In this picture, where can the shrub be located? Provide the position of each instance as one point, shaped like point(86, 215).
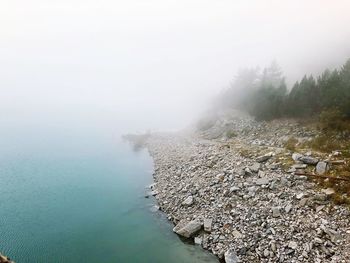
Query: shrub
point(231, 134)
point(291, 143)
point(333, 120)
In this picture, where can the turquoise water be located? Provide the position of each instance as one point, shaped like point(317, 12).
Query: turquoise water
point(77, 195)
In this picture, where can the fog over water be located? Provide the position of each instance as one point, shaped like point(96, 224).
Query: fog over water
point(153, 64)
point(75, 74)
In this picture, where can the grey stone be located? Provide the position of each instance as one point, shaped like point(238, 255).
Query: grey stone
point(255, 167)
point(321, 167)
point(299, 166)
point(288, 208)
point(333, 235)
point(293, 245)
point(154, 208)
point(303, 201)
point(234, 189)
point(208, 224)
point(248, 172)
point(231, 257)
point(262, 181)
point(198, 240)
point(152, 186)
point(276, 211)
point(236, 234)
point(300, 196)
point(328, 191)
point(266, 253)
point(309, 160)
point(273, 247)
point(296, 156)
point(187, 229)
point(264, 158)
point(154, 193)
point(188, 201)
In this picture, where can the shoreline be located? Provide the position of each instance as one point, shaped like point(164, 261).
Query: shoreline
point(242, 210)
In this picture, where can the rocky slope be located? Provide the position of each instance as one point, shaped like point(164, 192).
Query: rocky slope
point(235, 198)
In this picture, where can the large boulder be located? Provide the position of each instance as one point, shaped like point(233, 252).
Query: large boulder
point(187, 229)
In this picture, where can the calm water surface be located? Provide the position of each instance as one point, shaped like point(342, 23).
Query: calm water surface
point(77, 195)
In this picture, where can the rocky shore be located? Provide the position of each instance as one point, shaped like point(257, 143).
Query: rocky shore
point(236, 198)
point(4, 259)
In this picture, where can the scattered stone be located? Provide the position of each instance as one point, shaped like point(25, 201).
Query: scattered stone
point(154, 208)
point(273, 246)
point(300, 196)
point(293, 245)
point(237, 234)
point(231, 257)
point(319, 208)
point(198, 240)
point(320, 197)
point(288, 208)
point(328, 191)
point(299, 166)
point(188, 201)
point(262, 181)
point(187, 229)
point(303, 202)
point(208, 224)
point(321, 167)
point(333, 235)
point(154, 192)
point(264, 158)
point(257, 215)
point(276, 211)
point(152, 186)
point(296, 156)
point(234, 189)
point(266, 253)
point(255, 167)
point(308, 160)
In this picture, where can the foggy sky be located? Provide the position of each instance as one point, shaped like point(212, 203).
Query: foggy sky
point(154, 61)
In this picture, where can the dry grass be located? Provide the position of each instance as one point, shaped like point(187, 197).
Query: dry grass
point(291, 143)
point(342, 188)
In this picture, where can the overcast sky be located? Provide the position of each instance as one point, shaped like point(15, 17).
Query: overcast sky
point(157, 61)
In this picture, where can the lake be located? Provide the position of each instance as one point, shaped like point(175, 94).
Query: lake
point(76, 194)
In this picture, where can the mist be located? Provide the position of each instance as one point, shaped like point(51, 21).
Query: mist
point(153, 64)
